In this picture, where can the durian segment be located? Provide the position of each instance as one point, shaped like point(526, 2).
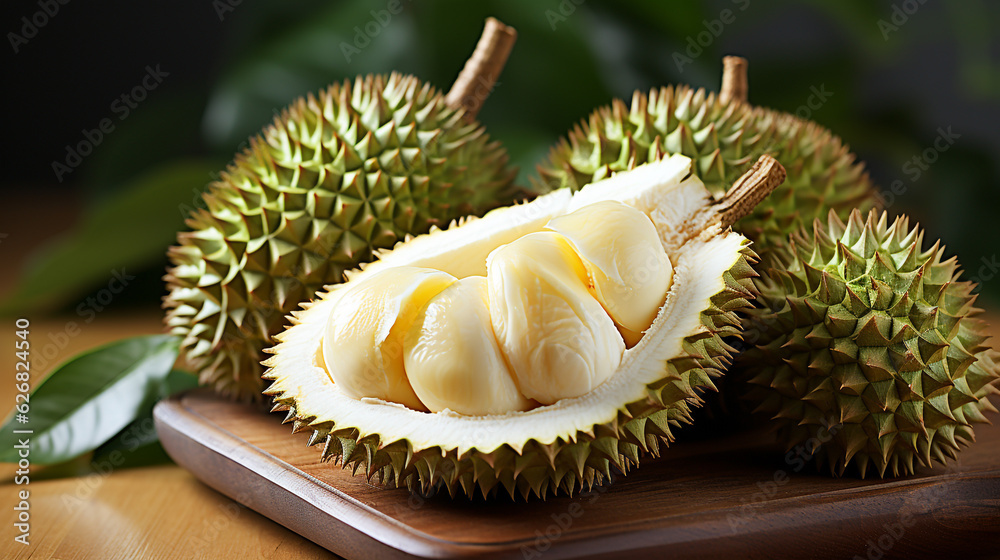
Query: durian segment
point(628, 269)
point(559, 341)
point(452, 358)
point(363, 346)
point(667, 191)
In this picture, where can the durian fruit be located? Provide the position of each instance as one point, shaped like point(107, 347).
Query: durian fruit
point(503, 444)
point(337, 176)
point(724, 135)
point(871, 353)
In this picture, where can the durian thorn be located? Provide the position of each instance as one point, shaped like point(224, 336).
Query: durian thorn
point(734, 80)
point(481, 71)
point(746, 193)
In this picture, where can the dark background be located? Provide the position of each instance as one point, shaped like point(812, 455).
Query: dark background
point(897, 73)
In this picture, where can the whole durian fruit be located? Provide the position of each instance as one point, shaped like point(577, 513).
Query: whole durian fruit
point(334, 178)
point(537, 349)
point(724, 135)
point(870, 352)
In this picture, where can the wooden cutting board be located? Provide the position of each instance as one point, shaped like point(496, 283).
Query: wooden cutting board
point(733, 496)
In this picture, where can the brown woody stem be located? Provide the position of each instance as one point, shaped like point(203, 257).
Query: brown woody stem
point(747, 192)
point(734, 79)
point(481, 71)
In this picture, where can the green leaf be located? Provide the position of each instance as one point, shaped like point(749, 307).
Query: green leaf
point(138, 444)
point(123, 233)
point(90, 398)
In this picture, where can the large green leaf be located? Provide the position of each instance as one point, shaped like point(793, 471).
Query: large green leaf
point(89, 399)
point(138, 444)
point(125, 232)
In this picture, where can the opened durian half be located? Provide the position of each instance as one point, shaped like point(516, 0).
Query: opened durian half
point(537, 349)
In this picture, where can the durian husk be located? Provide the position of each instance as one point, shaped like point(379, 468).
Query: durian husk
point(871, 353)
point(548, 463)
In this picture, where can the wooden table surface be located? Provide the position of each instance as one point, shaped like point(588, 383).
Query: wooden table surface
point(152, 512)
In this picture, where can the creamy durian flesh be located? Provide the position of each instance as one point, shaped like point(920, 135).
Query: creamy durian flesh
point(540, 326)
point(534, 349)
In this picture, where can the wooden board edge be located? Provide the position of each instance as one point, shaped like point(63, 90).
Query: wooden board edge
point(347, 527)
point(266, 484)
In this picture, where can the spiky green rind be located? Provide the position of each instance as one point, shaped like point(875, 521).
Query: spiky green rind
point(568, 465)
point(336, 176)
point(724, 139)
point(870, 337)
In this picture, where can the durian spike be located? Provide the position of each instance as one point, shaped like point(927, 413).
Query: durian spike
point(475, 81)
point(745, 194)
point(734, 80)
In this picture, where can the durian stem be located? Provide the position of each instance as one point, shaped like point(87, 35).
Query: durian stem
point(481, 71)
point(747, 192)
point(734, 79)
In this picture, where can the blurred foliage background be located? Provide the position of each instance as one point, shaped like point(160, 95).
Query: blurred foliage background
point(893, 75)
